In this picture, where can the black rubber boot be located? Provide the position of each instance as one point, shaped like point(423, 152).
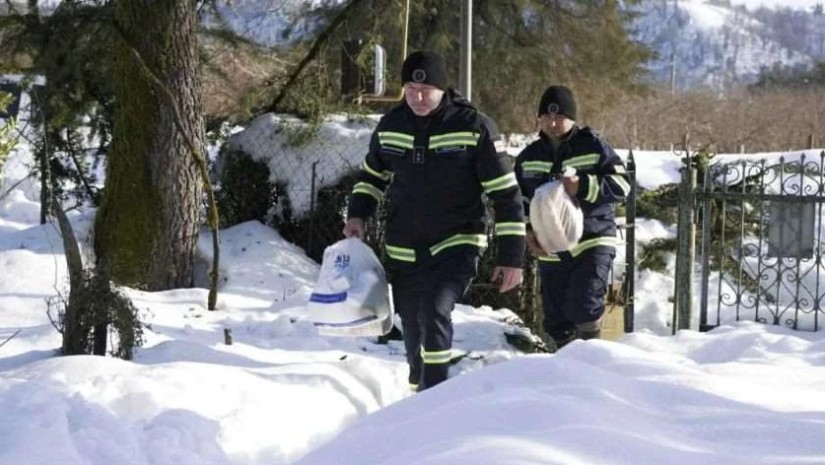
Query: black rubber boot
point(562, 337)
point(590, 329)
point(394, 335)
point(597, 334)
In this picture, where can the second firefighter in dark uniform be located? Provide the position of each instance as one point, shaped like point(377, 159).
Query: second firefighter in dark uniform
point(438, 155)
point(574, 282)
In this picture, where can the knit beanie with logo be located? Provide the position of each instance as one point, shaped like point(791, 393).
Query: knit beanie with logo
point(558, 100)
point(425, 67)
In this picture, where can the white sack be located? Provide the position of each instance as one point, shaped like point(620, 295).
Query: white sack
point(556, 218)
point(351, 296)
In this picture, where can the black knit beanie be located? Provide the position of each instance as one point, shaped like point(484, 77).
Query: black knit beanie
point(426, 68)
point(558, 99)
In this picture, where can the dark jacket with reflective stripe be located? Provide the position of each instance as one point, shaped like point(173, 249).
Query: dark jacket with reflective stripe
point(602, 180)
point(436, 168)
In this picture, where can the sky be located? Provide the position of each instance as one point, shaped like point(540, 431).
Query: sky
point(282, 393)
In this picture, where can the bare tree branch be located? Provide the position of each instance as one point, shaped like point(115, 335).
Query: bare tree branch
point(313, 52)
point(10, 337)
point(15, 185)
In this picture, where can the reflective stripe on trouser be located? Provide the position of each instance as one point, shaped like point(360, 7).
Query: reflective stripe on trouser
point(573, 289)
point(424, 294)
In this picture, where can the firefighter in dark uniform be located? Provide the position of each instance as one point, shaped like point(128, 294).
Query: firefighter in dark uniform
point(574, 282)
point(438, 155)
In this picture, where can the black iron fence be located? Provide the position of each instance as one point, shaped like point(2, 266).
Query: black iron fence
point(760, 231)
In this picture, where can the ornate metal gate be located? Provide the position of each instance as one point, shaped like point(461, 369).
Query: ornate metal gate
point(762, 242)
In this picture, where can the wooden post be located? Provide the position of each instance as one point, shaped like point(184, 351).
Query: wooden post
point(686, 245)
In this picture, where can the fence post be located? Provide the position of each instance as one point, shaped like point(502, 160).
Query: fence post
point(707, 216)
point(630, 246)
point(686, 245)
point(312, 207)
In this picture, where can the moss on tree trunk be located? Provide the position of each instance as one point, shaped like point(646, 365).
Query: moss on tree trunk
point(147, 227)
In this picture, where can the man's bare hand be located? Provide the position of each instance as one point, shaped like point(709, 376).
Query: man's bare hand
point(354, 227)
point(571, 185)
point(510, 277)
point(533, 244)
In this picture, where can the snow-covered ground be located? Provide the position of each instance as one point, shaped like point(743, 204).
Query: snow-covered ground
point(744, 393)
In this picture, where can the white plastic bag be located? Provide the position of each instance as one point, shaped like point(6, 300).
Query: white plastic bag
point(556, 218)
point(351, 297)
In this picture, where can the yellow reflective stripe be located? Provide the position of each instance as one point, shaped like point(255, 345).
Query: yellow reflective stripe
point(620, 169)
point(400, 136)
point(448, 135)
point(478, 240)
point(577, 249)
point(499, 183)
point(402, 254)
point(384, 175)
point(369, 189)
point(540, 166)
point(454, 139)
point(622, 183)
point(581, 161)
point(392, 143)
point(398, 139)
point(436, 357)
point(413, 387)
point(592, 188)
point(590, 243)
point(453, 143)
point(511, 229)
point(466, 135)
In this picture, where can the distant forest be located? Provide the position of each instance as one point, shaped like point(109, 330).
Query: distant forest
point(520, 47)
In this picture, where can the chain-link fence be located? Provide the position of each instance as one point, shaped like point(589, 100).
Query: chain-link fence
point(293, 176)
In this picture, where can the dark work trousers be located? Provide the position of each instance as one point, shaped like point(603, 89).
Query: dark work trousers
point(424, 294)
point(573, 290)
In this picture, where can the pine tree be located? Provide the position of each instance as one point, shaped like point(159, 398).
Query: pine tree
point(519, 48)
point(147, 227)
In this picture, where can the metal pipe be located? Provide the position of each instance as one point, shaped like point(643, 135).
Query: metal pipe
point(465, 85)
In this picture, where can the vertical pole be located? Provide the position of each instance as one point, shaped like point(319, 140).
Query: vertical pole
point(707, 225)
point(466, 75)
point(350, 71)
point(686, 248)
point(672, 73)
point(312, 208)
point(690, 272)
point(630, 247)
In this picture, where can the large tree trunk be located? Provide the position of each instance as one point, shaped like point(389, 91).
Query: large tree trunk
point(147, 227)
